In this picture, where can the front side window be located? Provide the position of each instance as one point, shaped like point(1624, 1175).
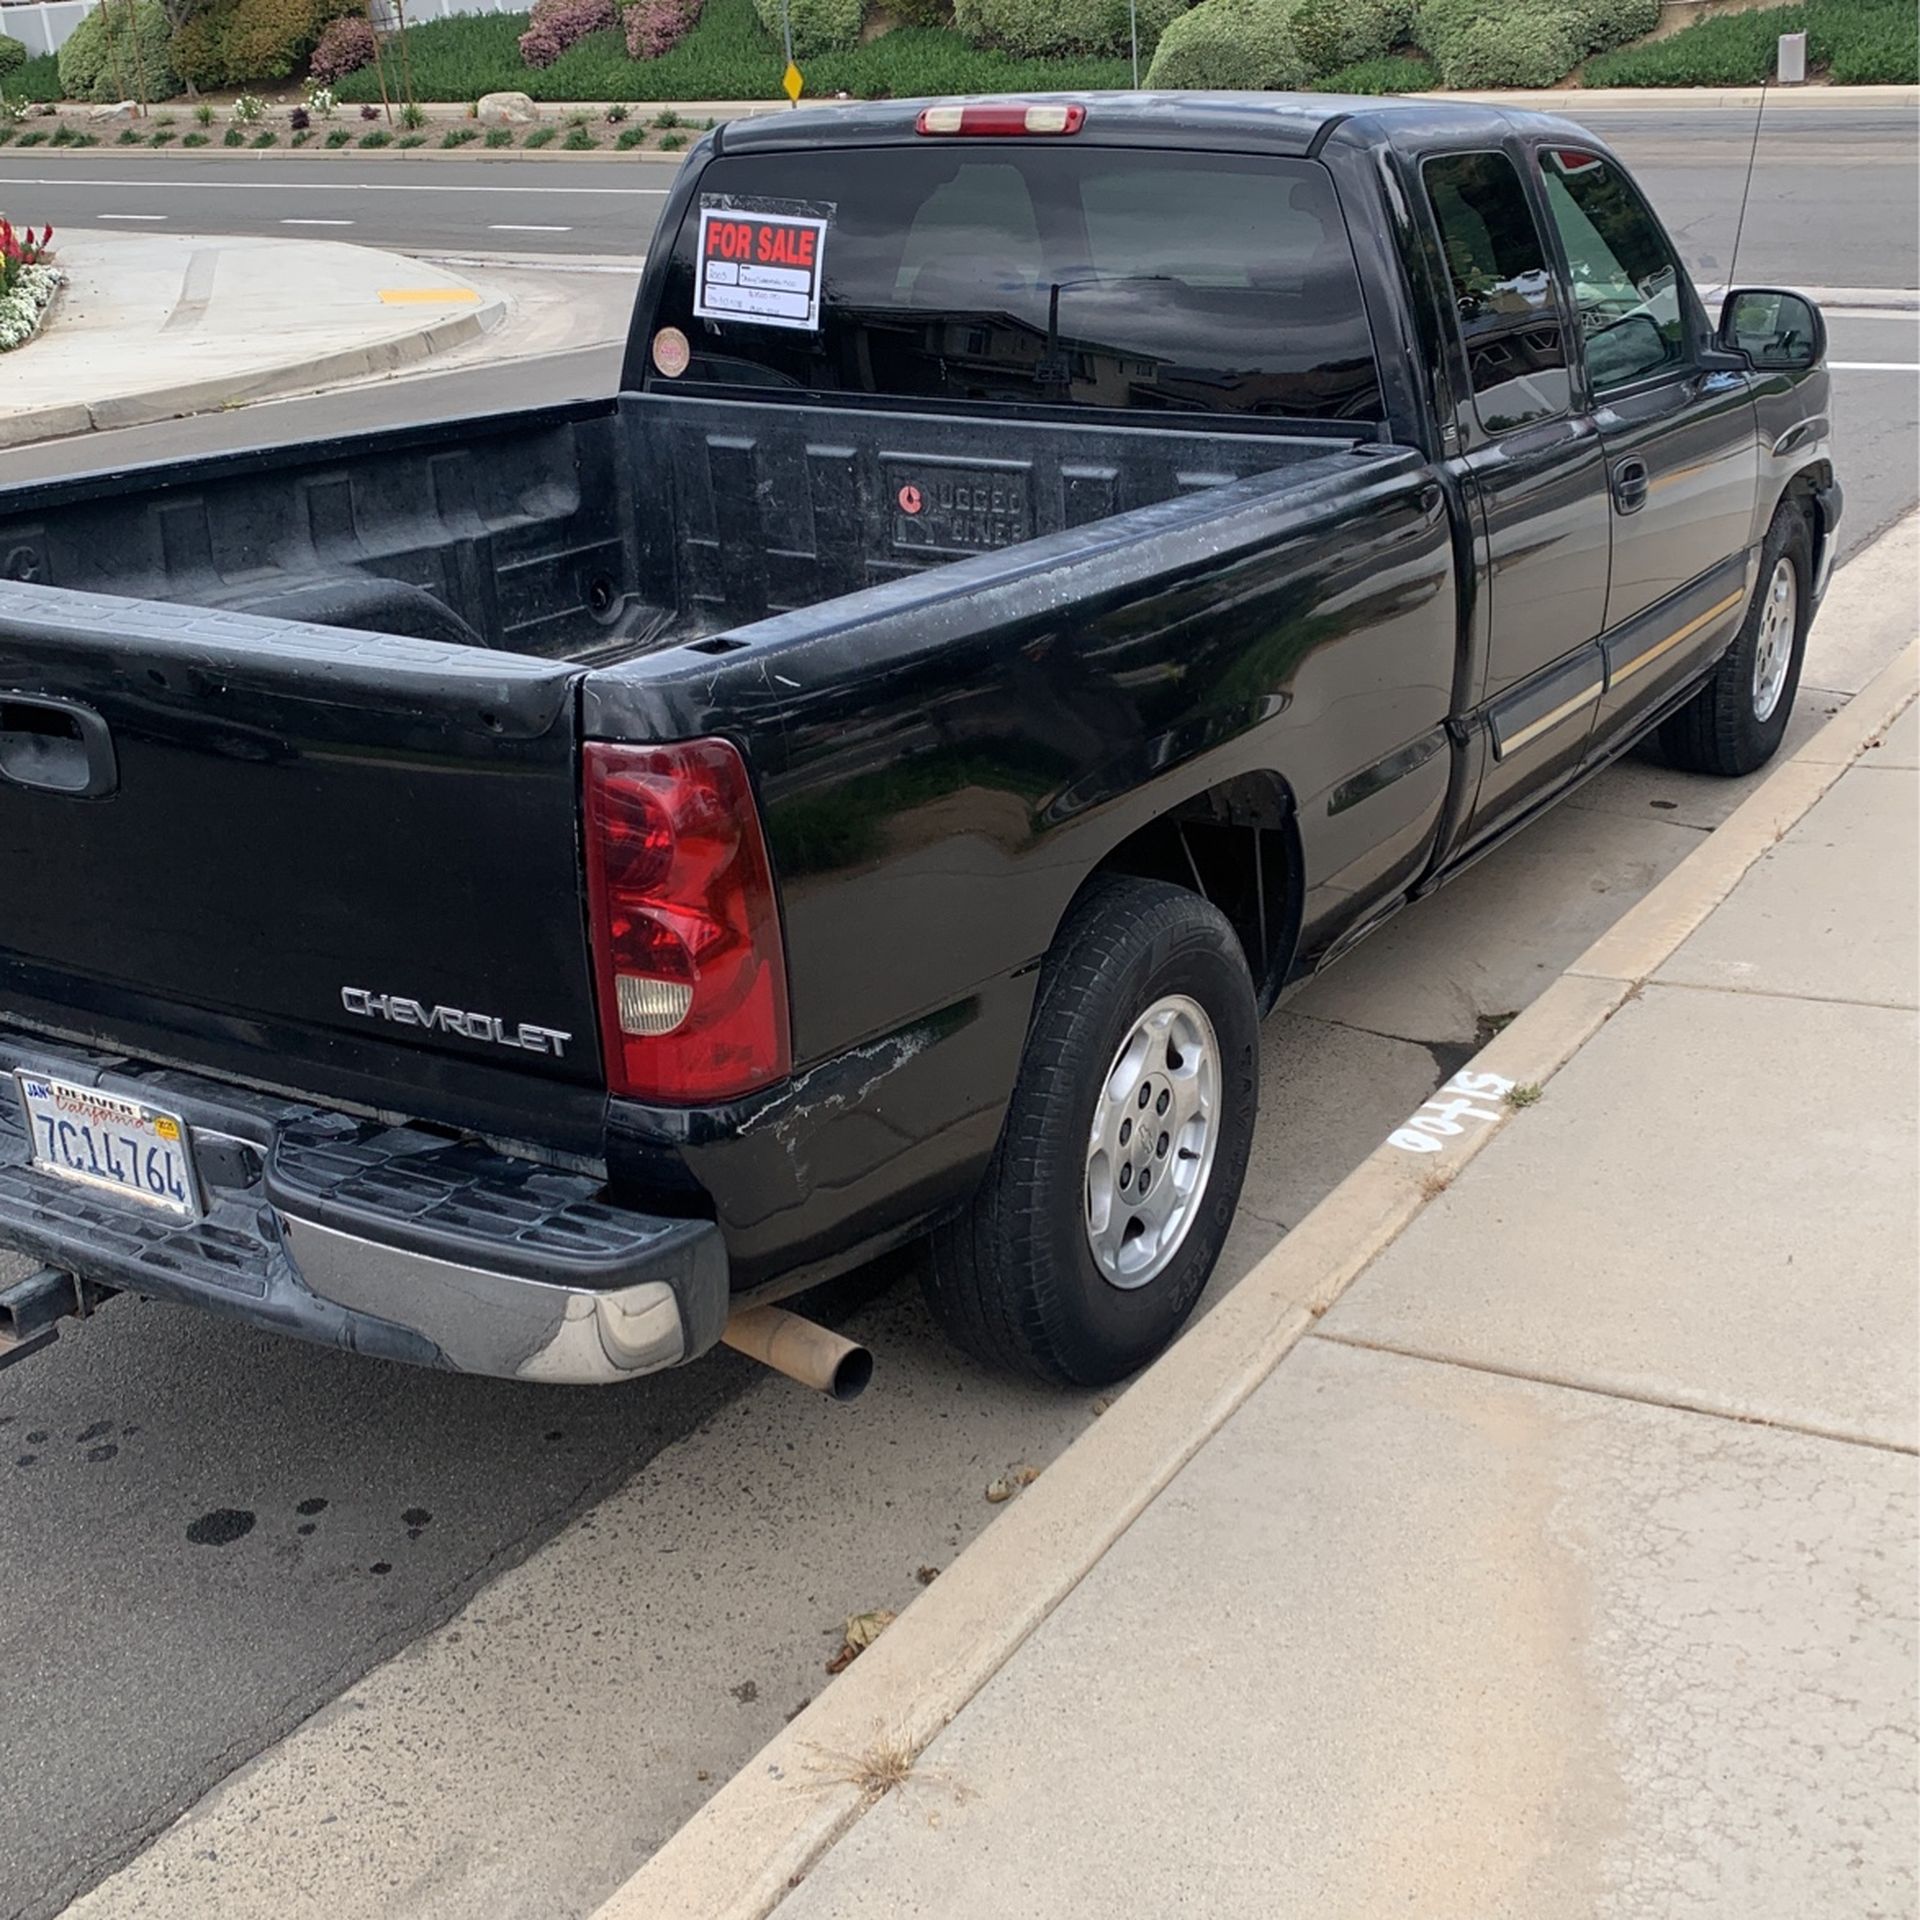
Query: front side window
point(1503, 294)
point(1049, 274)
point(1626, 282)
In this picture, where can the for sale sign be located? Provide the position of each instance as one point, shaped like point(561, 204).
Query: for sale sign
point(760, 262)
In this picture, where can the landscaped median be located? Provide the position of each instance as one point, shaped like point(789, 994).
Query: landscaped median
point(28, 282)
point(248, 59)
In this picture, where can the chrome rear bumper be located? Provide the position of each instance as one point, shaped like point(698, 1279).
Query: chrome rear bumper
point(386, 1240)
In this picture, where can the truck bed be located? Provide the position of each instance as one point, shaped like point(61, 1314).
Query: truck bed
point(597, 532)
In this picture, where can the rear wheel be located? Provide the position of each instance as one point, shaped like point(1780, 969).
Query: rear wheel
point(1119, 1166)
point(1735, 723)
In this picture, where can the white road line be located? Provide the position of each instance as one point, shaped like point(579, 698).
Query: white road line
point(507, 229)
point(316, 223)
point(1873, 366)
point(319, 186)
point(129, 216)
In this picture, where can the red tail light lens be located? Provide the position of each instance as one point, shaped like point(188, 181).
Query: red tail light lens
point(686, 935)
point(1050, 116)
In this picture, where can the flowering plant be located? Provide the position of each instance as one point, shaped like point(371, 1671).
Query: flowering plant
point(27, 280)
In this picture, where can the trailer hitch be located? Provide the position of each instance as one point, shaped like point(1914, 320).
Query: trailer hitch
point(31, 1310)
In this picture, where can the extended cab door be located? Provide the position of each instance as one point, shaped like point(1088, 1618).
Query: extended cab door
point(1682, 450)
point(1531, 462)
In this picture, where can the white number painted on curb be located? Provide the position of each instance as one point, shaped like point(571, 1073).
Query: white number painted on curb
point(1441, 1118)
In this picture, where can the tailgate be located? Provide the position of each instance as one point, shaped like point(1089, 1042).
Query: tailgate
point(341, 863)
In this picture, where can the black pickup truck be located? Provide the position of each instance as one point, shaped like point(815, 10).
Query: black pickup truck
point(507, 894)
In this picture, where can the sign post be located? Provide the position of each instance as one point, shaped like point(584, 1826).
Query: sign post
point(791, 81)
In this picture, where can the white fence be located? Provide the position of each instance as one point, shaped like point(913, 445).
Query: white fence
point(42, 25)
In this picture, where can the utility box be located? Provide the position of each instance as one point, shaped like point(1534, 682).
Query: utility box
point(1793, 60)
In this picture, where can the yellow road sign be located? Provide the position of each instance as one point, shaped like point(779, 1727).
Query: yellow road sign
point(792, 82)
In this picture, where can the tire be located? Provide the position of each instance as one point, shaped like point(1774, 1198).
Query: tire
point(1016, 1280)
point(1730, 726)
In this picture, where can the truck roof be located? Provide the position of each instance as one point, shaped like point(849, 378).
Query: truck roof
point(1287, 123)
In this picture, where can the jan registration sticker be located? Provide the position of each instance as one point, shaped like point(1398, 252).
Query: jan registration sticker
point(760, 266)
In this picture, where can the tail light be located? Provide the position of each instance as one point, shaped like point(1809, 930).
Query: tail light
point(1050, 116)
point(686, 935)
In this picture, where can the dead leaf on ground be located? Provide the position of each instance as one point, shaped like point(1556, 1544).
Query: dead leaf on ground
point(861, 1631)
point(926, 1575)
point(1005, 1486)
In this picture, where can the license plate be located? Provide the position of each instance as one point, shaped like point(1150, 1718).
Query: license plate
point(107, 1140)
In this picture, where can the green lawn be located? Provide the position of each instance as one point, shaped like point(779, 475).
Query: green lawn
point(1857, 43)
point(728, 56)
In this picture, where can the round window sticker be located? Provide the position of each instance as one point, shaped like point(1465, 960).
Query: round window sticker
point(671, 353)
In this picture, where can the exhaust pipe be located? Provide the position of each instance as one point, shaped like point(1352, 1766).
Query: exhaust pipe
point(801, 1349)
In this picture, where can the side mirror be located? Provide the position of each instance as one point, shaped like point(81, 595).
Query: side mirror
point(1773, 328)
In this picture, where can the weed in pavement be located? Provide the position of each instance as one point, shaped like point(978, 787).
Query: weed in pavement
point(1527, 1095)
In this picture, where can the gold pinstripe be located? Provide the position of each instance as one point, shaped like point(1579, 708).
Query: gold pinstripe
point(1673, 640)
point(1535, 728)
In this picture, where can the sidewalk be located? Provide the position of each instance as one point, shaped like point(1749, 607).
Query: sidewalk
point(220, 321)
point(1559, 1560)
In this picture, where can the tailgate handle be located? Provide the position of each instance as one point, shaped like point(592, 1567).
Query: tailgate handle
point(55, 746)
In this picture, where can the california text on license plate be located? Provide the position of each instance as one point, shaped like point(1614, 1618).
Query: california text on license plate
point(106, 1140)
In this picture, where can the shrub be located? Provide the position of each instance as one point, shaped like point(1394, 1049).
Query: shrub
point(665, 118)
point(229, 42)
point(13, 55)
point(556, 24)
point(1604, 24)
point(39, 79)
point(1231, 43)
point(411, 140)
point(35, 135)
point(266, 137)
point(539, 137)
point(579, 140)
point(1340, 33)
point(498, 137)
point(1398, 73)
point(920, 13)
point(249, 109)
point(338, 137)
point(413, 116)
point(160, 138)
point(459, 136)
point(615, 114)
point(379, 137)
point(203, 114)
point(1069, 26)
point(629, 137)
point(322, 101)
point(64, 136)
point(1500, 43)
point(672, 142)
point(126, 137)
point(369, 112)
point(654, 27)
point(108, 51)
point(193, 140)
point(233, 137)
point(345, 46)
point(819, 26)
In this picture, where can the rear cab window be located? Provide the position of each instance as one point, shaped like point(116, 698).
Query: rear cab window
point(1027, 273)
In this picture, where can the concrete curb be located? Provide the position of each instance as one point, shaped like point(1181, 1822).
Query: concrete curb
point(35, 424)
point(737, 1858)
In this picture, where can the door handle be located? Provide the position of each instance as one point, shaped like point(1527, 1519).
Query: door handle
point(55, 746)
point(1631, 485)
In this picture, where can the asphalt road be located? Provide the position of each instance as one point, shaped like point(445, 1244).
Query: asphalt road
point(1835, 202)
point(207, 1534)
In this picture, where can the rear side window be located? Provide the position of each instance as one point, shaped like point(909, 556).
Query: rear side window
point(1038, 274)
point(1503, 294)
